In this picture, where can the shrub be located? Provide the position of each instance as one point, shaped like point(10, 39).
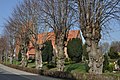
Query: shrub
point(47, 52)
point(86, 66)
point(87, 76)
point(105, 63)
point(59, 74)
point(111, 67)
point(75, 49)
point(51, 65)
point(113, 54)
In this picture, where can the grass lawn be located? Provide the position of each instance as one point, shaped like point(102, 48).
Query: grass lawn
point(31, 63)
point(14, 62)
point(76, 67)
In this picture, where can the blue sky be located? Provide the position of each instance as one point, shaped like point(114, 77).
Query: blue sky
point(114, 34)
point(6, 8)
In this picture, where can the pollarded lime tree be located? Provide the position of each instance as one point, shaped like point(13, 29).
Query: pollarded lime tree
point(25, 20)
point(59, 16)
point(93, 16)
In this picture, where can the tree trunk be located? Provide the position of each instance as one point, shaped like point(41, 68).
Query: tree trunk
point(24, 61)
point(95, 57)
point(11, 55)
point(11, 59)
point(6, 57)
point(38, 60)
point(60, 59)
point(66, 54)
point(61, 55)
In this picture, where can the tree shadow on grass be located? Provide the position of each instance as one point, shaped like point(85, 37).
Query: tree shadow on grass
point(72, 67)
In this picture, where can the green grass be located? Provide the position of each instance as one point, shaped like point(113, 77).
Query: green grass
point(31, 65)
point(16, 62)
point(77, 67)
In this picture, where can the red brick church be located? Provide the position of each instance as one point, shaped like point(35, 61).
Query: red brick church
point(49, 36)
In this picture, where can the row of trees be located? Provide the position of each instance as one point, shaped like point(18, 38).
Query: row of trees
point(32, 17)
point(112, 50)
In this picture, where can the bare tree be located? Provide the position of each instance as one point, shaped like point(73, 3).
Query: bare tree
point(29, 11)
point(18, 25)
point(59, 16)
point(116, 45)
point(24, 23)
point(104, 47)
point(33, 8)
point(93, 16)
point(11, 41)
point(114, 52)
point(3, 48)
point(16, 35)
